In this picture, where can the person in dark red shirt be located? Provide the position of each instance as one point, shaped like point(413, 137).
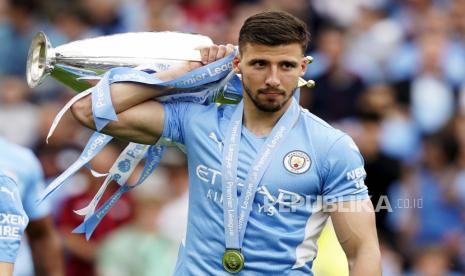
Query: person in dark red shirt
point(81, 253)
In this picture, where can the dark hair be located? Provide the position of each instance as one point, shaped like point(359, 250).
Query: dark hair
point(274, 28)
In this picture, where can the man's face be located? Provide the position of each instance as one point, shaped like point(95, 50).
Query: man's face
point(270, 74)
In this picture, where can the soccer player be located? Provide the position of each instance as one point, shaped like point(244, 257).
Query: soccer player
point(13, 221)
point(264, 175)
point(21, 165)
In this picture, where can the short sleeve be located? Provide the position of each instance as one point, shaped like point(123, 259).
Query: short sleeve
point(344, 177)
point(33, 189)
point(176, 117)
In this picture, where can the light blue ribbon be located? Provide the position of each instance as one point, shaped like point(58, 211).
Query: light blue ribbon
point(213, 82)
point(102, 107)
point(154, 155)
point(236, 212)
point(95, 144)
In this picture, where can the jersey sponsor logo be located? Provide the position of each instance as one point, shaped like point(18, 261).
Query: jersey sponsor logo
point(297, 162)
point(216, 140)
point(270, 204)
point(11, 226)
point(357, 176)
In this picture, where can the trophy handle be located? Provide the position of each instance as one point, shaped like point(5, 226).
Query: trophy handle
point(38, 60)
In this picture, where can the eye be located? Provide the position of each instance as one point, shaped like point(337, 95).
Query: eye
point(259, 64)
point(288, 65)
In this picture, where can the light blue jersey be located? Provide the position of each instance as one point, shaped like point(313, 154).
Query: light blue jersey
point(13, 220)
point(21, 164)
point(286, 218)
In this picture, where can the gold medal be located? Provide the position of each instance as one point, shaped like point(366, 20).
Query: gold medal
point(233, 260)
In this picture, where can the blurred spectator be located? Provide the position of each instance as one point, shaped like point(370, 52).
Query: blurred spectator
point(150, 253)
point(106, 15)
point(372, 40)
point(55, 159)
point(16, 33)
point(433, 42)
point(74, 22)
point(391, 261)
point(423, 211)
point(19, 117)
point(302, 9)
point(381, 169)
point(41, 252)
point(207, 17)
point(432, 261)
point(456, 14)
point(338, 89)
point(67, 132)
point(238, 16)
point(164, 15)
point(343, 13)
point(82, 254)
point(411, 14)
point(174, 162)
point(428, 94)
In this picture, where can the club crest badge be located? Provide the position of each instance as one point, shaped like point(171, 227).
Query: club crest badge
point(297, 162)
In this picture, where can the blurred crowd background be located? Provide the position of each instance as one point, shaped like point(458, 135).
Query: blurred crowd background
point(388, 72)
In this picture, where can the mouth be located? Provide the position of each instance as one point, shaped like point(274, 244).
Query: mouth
point(271, 92)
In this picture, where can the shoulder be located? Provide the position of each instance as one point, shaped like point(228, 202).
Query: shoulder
point(188, 108)
point(322, 134)
point(21, 158)
point(19, 151)
point(329, 143)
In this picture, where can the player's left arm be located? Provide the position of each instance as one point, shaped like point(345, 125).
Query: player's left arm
point(351, 209)
point(356, 232)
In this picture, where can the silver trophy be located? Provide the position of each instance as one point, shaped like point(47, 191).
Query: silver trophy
point(70, 62)
point(92, 57)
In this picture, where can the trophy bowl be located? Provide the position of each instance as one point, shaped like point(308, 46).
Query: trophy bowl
point(70, 63)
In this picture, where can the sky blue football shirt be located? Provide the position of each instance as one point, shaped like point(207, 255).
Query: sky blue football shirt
point(22, 165)
point(315, 164)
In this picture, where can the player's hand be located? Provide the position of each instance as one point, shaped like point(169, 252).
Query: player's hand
point(210, 54)
point(13, 219)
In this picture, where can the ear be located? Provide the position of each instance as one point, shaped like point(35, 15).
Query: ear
point(303, 66)
point(236, 62)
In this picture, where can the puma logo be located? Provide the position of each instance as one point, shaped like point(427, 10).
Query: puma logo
point(10, 193)
point(215, 139)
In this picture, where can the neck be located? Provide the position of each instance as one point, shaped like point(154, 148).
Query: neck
point(259, 122)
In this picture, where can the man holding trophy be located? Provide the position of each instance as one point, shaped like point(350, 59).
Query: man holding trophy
point(265, 174)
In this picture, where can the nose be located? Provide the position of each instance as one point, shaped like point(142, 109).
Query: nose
point(272, 79)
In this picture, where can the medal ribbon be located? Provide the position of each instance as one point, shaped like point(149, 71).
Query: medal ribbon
point(236, 212)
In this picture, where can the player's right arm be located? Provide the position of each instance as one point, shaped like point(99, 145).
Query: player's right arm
point(140, 119)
